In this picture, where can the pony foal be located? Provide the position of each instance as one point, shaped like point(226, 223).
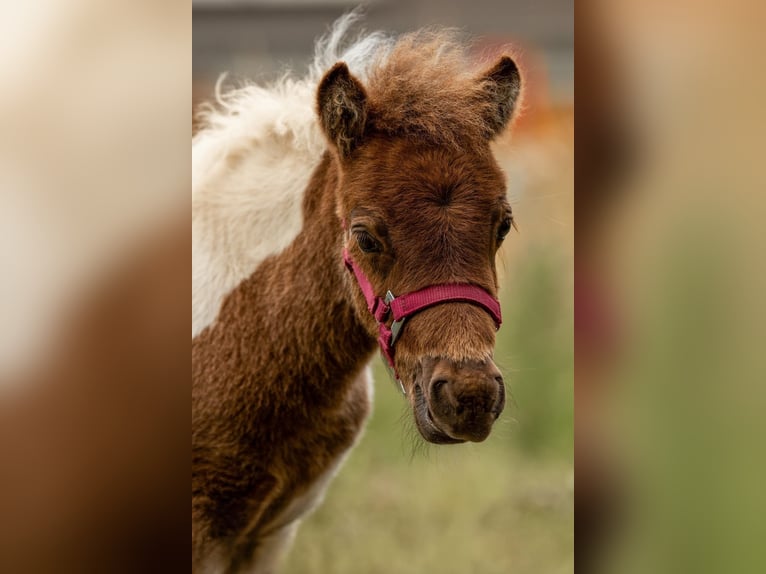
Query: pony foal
point(361, 204)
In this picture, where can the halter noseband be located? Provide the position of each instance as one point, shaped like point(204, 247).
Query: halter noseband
point(404, 306)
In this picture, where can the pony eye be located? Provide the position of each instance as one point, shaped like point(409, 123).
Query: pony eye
point(505, 227)
point(367, 242)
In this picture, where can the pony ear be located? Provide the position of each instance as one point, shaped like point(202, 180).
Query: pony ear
point(502, 86)
point(342, 107)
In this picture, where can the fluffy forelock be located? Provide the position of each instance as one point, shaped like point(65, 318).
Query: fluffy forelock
point(427, 86)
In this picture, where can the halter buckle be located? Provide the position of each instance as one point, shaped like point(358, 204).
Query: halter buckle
point(396, 326)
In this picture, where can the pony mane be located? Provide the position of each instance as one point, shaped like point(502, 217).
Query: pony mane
point(422, 83)
point(286, 108)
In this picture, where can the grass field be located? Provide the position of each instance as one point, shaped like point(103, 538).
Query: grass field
point(502, 506)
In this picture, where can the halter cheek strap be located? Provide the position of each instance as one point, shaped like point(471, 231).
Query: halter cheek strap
point(401, 307)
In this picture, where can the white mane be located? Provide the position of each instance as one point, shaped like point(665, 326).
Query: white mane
point(251, 164)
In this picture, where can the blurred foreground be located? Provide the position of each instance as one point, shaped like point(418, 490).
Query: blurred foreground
point(94, 287)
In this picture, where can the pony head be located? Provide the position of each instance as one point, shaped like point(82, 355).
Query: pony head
point(423, 203)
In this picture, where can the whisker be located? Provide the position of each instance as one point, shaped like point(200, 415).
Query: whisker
point(556, 221)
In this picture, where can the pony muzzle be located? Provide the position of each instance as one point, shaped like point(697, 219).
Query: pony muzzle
point(457, 401)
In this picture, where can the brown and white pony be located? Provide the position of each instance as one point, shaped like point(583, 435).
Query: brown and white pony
point(313, 199)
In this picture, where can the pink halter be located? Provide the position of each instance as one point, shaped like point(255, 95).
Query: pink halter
point(405, 306)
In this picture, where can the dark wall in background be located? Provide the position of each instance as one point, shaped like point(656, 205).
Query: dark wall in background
point(257, 38)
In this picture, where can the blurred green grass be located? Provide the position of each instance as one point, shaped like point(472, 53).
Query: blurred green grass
point(505, 505)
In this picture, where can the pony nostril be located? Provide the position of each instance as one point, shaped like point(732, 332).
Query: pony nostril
point(500, 380)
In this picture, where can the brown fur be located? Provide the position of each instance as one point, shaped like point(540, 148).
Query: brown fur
point(276, 395)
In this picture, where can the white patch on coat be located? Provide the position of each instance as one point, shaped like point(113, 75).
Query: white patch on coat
point(249, 172)
point(250, 167)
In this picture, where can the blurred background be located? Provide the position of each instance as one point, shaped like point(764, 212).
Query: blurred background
point(669, 287)
point(505, 505)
